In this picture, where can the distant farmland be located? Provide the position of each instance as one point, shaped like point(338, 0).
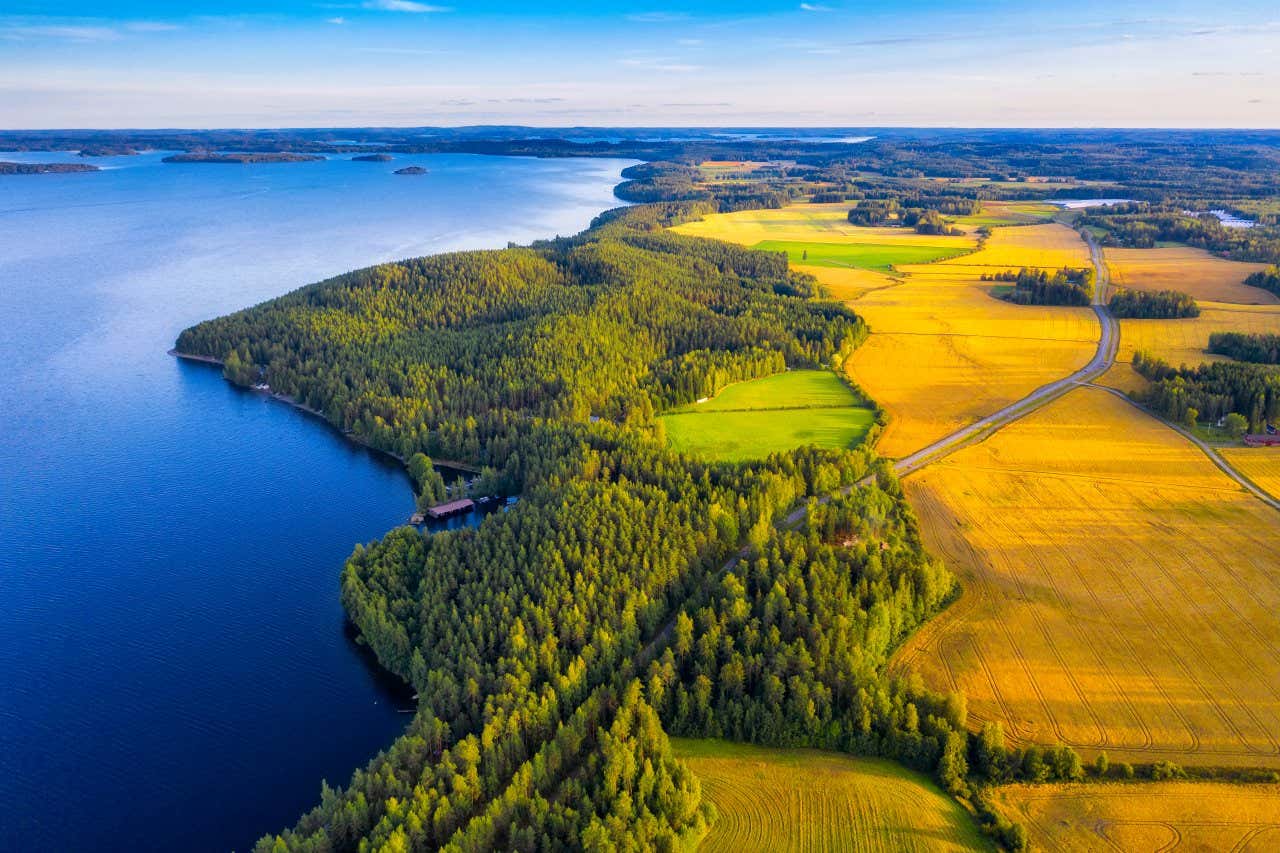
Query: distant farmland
point(1120, 591)
point(804, 799)
point(750, 420)
point(867, 256)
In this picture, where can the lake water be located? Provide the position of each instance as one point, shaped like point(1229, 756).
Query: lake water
point(174, 672)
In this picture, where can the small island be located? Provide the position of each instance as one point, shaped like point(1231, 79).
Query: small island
point(411, 170)
point(108, 151)
point(372, 158)
point(45, 168)
point(242, 158)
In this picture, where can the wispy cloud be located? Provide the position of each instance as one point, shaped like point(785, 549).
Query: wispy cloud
point(400, 51)
point(660, 63)
point(403, 6)
point(815, 7)
point(338, 21)
point(657, 17)
point(63, 32)
point(151, 26)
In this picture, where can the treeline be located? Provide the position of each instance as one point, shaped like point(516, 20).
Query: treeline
point(1268, 279)
point(1038, 287)
point(1142, 226)
point(1156, 305)
point(1209, 392)
point(1255, 348)
point(895, 211)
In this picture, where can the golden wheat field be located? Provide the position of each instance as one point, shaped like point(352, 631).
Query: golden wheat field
point(1120, 592)
point(1193, 271)
point(944, 352)
point(807, 223)
point(1260, 464)
point(1184, 341)
point(804, 799)
point(1146, 817)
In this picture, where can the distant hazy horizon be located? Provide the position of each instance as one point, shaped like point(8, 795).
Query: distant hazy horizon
point(139, 64)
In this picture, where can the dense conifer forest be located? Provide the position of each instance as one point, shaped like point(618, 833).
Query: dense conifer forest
point(632, 592)
point(1158, 305)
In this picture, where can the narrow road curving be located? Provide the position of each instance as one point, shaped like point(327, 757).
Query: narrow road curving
point(1103, 358)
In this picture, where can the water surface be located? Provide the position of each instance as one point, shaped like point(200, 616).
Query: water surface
point(174, 672)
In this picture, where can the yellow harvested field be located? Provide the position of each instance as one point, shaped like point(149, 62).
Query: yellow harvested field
point(1146, 816)
point(1051, 246)
point(943, 352)
point(1194, 271)
point(1120, 592)
point(1260, 464)
point(847, 283)
point(805, 799)
point(807, 223)
point(1184, 341)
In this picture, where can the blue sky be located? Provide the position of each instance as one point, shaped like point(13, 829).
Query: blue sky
point(449, 62)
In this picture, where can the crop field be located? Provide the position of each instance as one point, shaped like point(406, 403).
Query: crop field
point(943, 352)
point(1184, 341)
point(997, 213)
point(821, 223)
point(804, 799)
point(1260, 464)
point(867, 256)
point(1147, 816)
point(1119, 591)
point(750, 420)
point(1194, 271)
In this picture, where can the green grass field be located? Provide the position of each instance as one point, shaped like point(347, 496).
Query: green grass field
point(865, 256)
point(750, 420)
point(806, 799)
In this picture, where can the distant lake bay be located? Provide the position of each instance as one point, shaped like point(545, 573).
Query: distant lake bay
point(174, 671)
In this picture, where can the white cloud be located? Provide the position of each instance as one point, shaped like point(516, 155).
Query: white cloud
point(657, 17)
point(337, 21)
point(403, 6)
point(69, 33)
point(815, 7)
point(151, 27)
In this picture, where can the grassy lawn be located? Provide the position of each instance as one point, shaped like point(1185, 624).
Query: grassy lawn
point(807, 799)
point(867, 256)
point(750, 420)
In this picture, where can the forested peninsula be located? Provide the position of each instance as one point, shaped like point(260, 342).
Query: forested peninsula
point(241, 157)
point(632, 593)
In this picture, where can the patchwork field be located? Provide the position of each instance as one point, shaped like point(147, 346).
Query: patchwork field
point(1184, 341)
point(825, 223)
point(943, 352)
point(1260, 464)
point(1194, 271)
point(1120, 592)
point(1149, 816)
point(997, 213)
point(804, 799)
point(750, 420)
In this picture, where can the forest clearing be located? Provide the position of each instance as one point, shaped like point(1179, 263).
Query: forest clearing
point(1119, 590)
point(750, 420)
point(1146, 816)
point(805, 799)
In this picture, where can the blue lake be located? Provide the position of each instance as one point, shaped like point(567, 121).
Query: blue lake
point(174, 670)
